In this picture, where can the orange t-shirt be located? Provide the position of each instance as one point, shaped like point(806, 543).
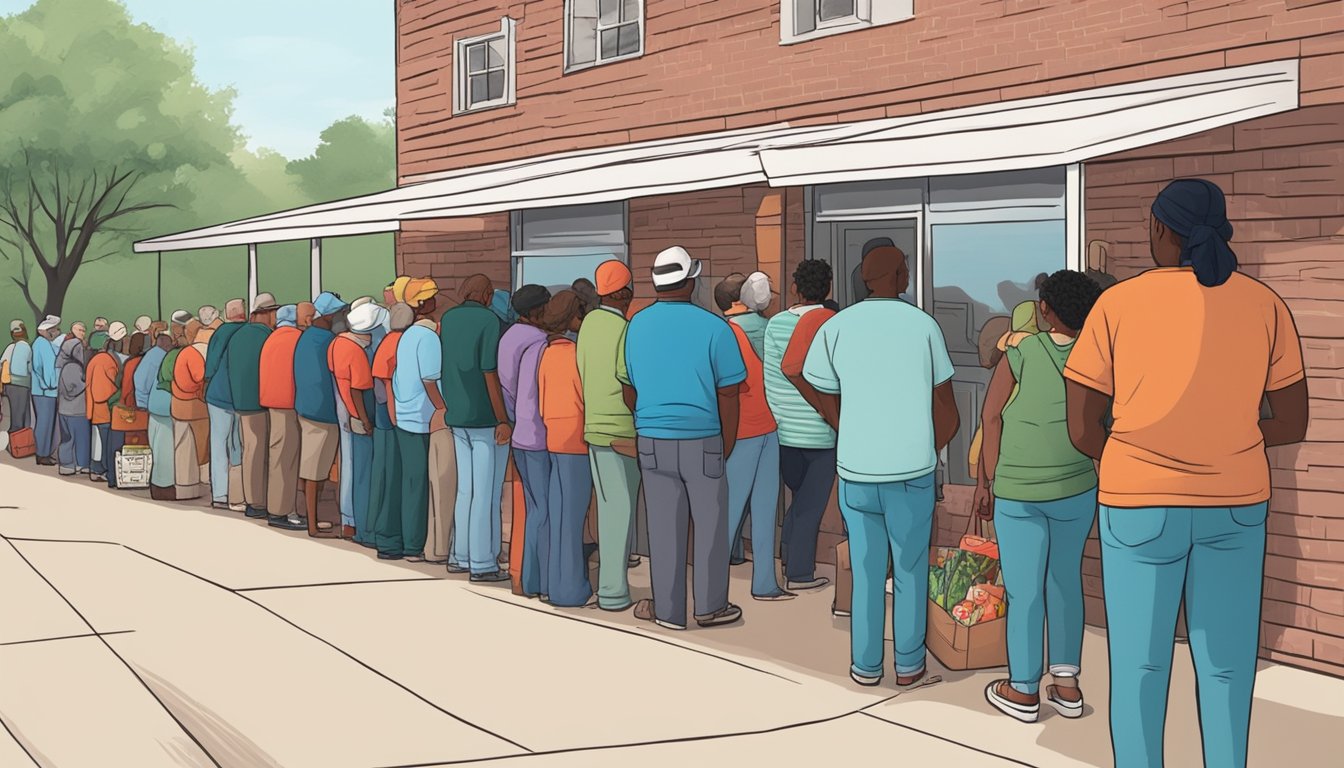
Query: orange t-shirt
point(560, 396)
point(100, 383)
point(126, 403)
point(385, 358)
point(349, 365)
point(276, 371)
point(189, 384)
point(1187, 367)
point(753, 418)
point(795, 354)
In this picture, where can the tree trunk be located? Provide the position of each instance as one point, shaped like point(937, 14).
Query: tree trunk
point(57, 287)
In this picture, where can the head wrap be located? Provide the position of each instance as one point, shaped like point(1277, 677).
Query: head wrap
point(50, 322)
point(756, 292)
point(327, 304)
point(401, 316)
point(1196, 210)
point(287, 316)
point(366, 317)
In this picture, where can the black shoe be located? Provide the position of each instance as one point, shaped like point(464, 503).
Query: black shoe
point(288, 523)
point(46, 462)
point(456, 569)
point(389, 556)
point(256, 514)
point(489, 578)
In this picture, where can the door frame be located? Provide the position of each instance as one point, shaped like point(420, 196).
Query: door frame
point(918, 261)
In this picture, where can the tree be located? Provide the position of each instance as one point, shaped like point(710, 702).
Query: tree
point(355, 157)
point(104, 130)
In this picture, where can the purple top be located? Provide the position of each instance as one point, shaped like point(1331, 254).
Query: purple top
point(519, 355)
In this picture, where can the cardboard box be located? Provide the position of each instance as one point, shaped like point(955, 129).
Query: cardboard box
point(959, 647)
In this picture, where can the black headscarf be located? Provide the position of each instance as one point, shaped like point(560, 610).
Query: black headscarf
point(1196, 210)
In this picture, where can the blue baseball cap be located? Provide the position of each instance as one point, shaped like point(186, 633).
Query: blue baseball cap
point(327, 303)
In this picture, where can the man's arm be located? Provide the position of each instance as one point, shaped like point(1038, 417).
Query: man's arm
point(1290, 413)
point(628, 395)
point(946, 418)
point(729, 412)
point(504, 432)
point(1086, 414)
point(820, 402)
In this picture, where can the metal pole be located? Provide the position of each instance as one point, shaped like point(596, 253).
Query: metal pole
point(158, 287)
point(315, 266)
point(251, 274)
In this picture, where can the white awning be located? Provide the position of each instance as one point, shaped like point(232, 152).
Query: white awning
point(1010, 135)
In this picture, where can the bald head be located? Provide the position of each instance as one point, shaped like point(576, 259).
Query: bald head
point(304, 312)
point(886, 272)
point(477, 288)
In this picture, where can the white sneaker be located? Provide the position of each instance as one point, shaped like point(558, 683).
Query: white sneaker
point(1026, 713)
point(1070, 709)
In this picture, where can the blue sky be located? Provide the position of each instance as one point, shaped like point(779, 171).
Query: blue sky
point(297, 65)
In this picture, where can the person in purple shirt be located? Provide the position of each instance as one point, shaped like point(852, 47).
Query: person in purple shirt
point(519, 354)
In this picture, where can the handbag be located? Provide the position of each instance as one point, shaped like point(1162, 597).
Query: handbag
point(22, 443)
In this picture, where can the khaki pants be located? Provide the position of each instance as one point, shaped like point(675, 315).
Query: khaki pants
point(255, 429)
point(442, 495)
point(191, 454)
point(282, 462)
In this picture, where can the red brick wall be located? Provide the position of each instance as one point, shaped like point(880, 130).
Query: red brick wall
point(1284, 176)
point(717, 64)
point(450, 250)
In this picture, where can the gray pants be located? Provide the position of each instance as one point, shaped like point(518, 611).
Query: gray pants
point(684, 483)
point(20, 406)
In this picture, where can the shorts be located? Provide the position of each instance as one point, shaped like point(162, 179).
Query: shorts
point(317, 452)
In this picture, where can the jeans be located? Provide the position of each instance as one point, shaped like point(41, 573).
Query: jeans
point(20, 406)
point(75, 437)
point(1041, 553)
point(100, 460)
point(45, 432)
point(685, 483)
point(480, 488)
point(753, 478)
point(226, 452)
point(809, 474)
point(385, 494)
point(1150, 558)
point(113, 442)
point(616, 483)
point(889, 518)
point(534, 469)
point(161, 469)
point(571, 488)
point(356, 471)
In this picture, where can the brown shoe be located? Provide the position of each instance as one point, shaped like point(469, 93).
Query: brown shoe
point(347, 532)
point(162, 494)
point(1022, 707)
point(905, 681)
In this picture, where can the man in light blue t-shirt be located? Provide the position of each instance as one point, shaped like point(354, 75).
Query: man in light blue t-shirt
point(681, 367)
point(419, 408)
point(896, 413)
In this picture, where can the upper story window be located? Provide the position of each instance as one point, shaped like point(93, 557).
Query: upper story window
point(483, 70)
point(802, 20)
point(601, 31)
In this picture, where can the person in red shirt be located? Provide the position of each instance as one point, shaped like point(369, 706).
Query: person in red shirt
point(384, 517)
point(276, 395)
point(191, 419)
point(753, 474)
point(348, 361)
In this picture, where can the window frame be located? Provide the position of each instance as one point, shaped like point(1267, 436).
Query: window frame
point(517, 240)
point(867, 14)
point(568, 21)
point(462, 75)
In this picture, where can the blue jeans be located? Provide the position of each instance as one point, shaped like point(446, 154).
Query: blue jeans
point(1215, 558)
point(571, 488)
point(1041, 552)
point(75, 437)
point(753, 477)
point(226, 450)
point(888, 519)
point(45, 434)
point(356, 476)
point(534, 469)
point(103, 464)
point(480, 487)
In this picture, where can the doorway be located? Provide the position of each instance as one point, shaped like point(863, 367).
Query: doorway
point(847, 255)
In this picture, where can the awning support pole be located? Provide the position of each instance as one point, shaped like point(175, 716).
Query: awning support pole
point(315, 266)
point(1075, 218)
point(251, 274)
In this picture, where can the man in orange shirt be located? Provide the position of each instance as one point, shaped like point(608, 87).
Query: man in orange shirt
point(191, 420)
point(276, 395)
point(102, 379)
point(1185, 480)
point(348, 361)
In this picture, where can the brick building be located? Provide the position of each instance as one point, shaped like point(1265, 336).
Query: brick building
point(993, 140)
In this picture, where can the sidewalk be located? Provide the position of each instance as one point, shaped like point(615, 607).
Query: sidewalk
point(141, 633)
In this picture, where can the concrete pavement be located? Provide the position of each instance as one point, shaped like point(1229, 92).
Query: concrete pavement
point(141, 633)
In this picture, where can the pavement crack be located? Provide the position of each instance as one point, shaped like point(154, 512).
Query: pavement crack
point(338, 584)
point(21, 742)
point(67, 637)
point(961, 744)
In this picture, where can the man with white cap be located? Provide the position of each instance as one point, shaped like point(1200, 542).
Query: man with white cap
point(682, 368)
point(242, 361)
point(44, 389)
point(141, 340)
point(348, 360)
point(17, 364)
point(315, 402)
point(102, 384)
point(226, 443)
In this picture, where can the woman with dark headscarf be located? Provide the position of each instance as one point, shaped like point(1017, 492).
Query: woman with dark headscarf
point(74, 420)
point(1185, 480)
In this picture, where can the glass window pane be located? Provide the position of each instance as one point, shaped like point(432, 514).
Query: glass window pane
point(628, 39)
point(497, 56)
point(630, 10)
point(496, 85)
point(476, 57)
point(610, 43)
point(830, 10)
point(609, 11)
point(1030, 188)
point(478, 90)
point(582, 226)
point(559, 272)
point(583, 32)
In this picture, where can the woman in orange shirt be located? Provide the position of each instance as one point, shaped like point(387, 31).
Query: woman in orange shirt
point(191, 421)
point(560, 395)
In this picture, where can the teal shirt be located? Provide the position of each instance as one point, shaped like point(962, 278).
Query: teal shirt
point(470, 334)
point(1037, 460)
point(753, 324)
point(243, 367)
point(800, 426)
point(883, 357)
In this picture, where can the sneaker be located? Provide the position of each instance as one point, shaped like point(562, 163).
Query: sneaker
point(839, 613)
point(457, 569)
point(224, 505)
point(489, 578)
point(864, 680)
point(725, 615)
point(389, 556)
point(633, 561)
point(777, 597)
point(1065, 707)
point(44, 461)
point(237, 507)
point(805, 586)
point(1002, 700)
point(288, 522)
point(256, 514)
point(98, 478)
point(63, 472)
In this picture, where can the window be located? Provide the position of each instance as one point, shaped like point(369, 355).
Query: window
point(809, 19)
point(483, 70)
point(601, 31)
point(553, 247)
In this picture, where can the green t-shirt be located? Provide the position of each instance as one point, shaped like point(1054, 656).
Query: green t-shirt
point(244, 366)
point(1037, 460)
point(470, 336)
point(605, 417)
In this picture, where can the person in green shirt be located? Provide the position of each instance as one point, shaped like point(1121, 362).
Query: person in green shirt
point(243, 368)
point(1042, 495)
point(474, 410)
point(609, 430)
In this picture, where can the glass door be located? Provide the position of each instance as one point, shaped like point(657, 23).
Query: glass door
point(850, 237)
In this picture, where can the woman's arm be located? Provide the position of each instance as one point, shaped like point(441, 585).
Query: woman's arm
point(991, 419)
point(1290, 413)
point(1087, 414)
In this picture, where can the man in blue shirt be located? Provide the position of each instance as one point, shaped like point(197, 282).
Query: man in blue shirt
point(226, 442)
point(419, 408)
point(681, 368)
point(891, 362)
point(315, 403)
point(149, 396)
point(44, 390)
